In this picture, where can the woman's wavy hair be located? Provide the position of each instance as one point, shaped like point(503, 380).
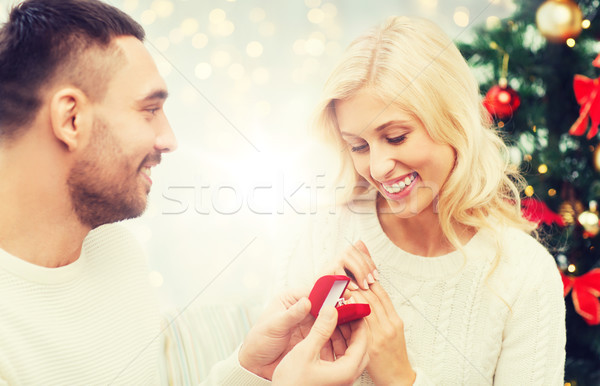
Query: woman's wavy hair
point(412, 65)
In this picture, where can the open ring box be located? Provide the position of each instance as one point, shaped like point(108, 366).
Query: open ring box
point(329, 291)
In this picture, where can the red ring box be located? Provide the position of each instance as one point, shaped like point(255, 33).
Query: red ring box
point(328, 290)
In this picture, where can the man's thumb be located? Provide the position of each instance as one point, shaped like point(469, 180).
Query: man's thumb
point(295, 314)
point(322, 329)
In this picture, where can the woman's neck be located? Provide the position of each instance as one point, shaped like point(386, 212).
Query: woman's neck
point(420, 234)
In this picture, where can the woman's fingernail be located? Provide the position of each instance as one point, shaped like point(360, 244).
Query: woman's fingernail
point(371, 280)
point(365, 284)
point(376, 274)
point(353, 286)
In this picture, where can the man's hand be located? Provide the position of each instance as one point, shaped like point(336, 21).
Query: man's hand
point(303, 365)
point(284, 323)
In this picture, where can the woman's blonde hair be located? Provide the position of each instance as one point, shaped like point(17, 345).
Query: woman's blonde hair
point(412, 65)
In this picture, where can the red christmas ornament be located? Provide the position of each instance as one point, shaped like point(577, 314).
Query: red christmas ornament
point(537, 211)
point(502, 101)
point(586, 290)
point(586, 94)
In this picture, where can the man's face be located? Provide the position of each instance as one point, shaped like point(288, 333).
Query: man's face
point(110, 179)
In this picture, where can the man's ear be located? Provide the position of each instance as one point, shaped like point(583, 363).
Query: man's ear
point(69, 110)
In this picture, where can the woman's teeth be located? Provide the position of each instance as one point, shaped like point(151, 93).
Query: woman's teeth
point(401, 185)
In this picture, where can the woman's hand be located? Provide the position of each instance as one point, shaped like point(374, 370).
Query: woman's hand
point(357, 263)
point(388, 359)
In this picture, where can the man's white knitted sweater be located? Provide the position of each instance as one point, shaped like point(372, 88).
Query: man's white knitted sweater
point(92, 322)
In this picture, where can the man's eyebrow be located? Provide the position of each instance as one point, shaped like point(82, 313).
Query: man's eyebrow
point(160, 94)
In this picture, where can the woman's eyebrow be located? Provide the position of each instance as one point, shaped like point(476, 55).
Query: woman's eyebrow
point(379, 128)
point(390, 123)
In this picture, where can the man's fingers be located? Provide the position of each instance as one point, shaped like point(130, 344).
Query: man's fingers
point(327, 352)
point(346, 331)
point(322, 330)
point(338, 342)
point(356, 356)
point(294, 315)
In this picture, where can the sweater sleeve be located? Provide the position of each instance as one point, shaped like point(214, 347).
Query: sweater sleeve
point(533, 345)
point(229, 372)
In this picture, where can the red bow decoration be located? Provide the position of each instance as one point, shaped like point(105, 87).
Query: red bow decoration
point(586, 94)
point(537, 211)
point(586, 290)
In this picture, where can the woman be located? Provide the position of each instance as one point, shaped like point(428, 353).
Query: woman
point(460, 292)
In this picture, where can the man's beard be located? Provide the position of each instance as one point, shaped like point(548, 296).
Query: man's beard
point(104, 185)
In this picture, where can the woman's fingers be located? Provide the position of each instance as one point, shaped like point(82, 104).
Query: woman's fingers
point(358, 262)
point(382, 295)
point(386, 302)
point(377, 315)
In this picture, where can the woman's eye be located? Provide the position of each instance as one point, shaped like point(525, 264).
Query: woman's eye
point(359, 148)
point(153, 111)
point(397, 139)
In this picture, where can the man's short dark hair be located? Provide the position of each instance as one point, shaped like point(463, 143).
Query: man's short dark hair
point(46, 40)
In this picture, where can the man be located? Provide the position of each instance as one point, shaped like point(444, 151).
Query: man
point(81, 126)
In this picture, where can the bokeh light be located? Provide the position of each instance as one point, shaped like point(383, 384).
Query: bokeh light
point(254, 49)
point(316, 15)
point(220, 58)
point(217, 16)
point(236, 71)
point(162, 8)
point(429, 4)
point(130, 5)
point(260, 76)
point(257, 15)
point(203, 70)
point(189, 26)
point(461, 16)
point(148, 17)
point(199, 40)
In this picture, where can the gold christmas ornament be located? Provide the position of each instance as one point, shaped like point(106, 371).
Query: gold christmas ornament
point(559, 20)
point(589, 220)
point(569, 212)
point(597, 158)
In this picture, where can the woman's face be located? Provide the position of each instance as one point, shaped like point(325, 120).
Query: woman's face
point(394, 152)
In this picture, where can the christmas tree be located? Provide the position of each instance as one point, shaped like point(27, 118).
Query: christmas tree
point(538, 73)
